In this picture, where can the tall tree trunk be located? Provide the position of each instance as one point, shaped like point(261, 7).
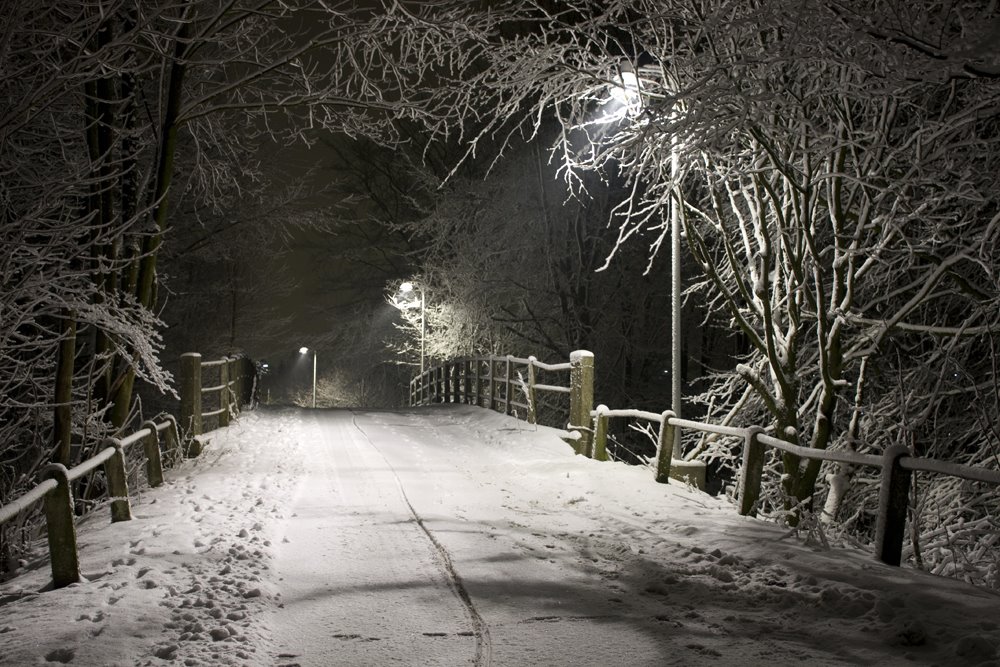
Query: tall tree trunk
point(63, 414)
point(99, 116)
point(145, 286)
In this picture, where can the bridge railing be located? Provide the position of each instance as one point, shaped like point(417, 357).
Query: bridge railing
point(508, 383)
point(460, 382)
point(56, 492)
point(163, 441)
point(215, 405)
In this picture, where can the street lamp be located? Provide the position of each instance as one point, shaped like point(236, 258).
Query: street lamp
point(406, 288)
point(627, 92)
point(305, 350)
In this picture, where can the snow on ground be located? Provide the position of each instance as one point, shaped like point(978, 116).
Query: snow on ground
point(453, 536)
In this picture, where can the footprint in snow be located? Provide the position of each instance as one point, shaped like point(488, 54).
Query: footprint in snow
point(63, 655)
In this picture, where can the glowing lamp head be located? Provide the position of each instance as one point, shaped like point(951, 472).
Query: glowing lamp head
point(303, 350)
point(625, 90)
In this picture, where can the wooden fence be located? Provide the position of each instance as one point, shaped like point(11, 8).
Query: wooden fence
point(494, 382)
point(55, 489)
point(233, 385)
point(489, 382)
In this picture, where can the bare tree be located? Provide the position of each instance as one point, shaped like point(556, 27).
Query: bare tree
point(833, 164)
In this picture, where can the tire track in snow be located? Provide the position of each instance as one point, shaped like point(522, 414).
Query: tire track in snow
point(484, 647)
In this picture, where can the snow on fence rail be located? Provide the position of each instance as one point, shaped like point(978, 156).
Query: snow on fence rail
point(489, 381)
point(55, 489)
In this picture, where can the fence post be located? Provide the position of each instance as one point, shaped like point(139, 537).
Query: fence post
point(492, 402)
point(151, 445)
point(750, 474)
point(478, 363)
point(467, 381)
point(508, 408)
point(456, 381)
point(446, 382)
point(601, 433)
point(191, 394)
point(581, 398)
point(236, 377)
point(532, 410)
point(173, 441)
point(893, 497)
point(665, 446)
point(224, 392)
point(114, 470)
point(61, 531)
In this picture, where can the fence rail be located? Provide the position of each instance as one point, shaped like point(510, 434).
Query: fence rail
point(55, 488)
point(462, 381)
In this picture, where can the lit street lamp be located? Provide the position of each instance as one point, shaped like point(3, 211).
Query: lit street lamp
point(627, 93)
point(305, 350)
point(406, 288)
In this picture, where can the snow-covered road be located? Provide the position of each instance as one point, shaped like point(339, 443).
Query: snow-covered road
point(456, 536)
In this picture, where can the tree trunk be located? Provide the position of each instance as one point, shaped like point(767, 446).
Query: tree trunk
point(62, 427)
point(145, 291)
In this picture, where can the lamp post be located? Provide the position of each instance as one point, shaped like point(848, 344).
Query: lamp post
point(305, 350)
point(627, 93)
point(406, 288)
point(675, 288)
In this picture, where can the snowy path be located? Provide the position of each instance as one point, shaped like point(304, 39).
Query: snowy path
point(456, 536)
point(356, 566)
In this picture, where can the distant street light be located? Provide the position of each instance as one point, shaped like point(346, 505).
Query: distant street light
point(628, 92)
point(407, 288)
point(305, 350)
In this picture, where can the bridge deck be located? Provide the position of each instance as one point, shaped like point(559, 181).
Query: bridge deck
point(451, 536)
